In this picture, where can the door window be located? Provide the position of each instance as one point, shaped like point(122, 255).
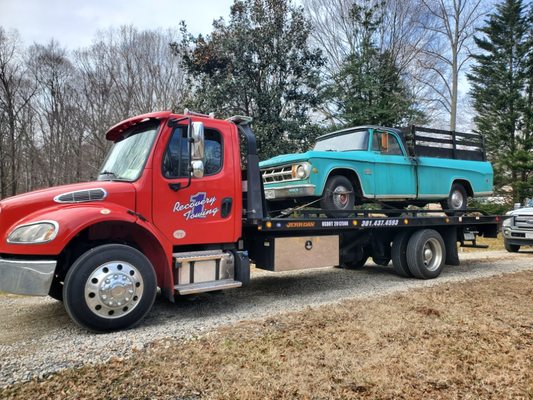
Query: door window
point(386, 143)
point(176, 160)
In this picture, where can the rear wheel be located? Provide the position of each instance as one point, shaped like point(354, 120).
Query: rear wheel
point(109, 287)
point(359, 262)
point(399, 254)
point(338, 198)
point(426, 254)
point(457, 198)
point(511, 248)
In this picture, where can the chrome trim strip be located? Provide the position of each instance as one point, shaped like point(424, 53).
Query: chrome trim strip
point(56, 199)
point(396, 196)
point(26, 277)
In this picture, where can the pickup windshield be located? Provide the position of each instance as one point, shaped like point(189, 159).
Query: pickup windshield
point(349, 141)
point(127, 157)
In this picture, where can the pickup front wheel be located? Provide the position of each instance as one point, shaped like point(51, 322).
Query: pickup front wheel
point(109, 287)
point(338, 198)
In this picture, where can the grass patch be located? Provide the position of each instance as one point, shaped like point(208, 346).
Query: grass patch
point(495, 244)
point(466, 340)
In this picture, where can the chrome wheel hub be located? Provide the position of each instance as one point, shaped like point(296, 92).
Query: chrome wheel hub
point(457, 200)
point(432, 254)
point(113, 289)
point(341, 197)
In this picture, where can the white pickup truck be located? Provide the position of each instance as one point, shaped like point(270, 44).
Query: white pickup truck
point(518, 230)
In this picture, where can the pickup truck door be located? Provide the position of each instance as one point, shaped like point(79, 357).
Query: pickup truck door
point(204, 210)
point(394, 172)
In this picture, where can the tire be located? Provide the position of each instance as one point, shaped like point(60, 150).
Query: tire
point(426, 254)
point(359, 263)
point(56, 290)
point(457, 199)
point(338, 196)
point(109, 287)
point(399, 254)
point(511, 248)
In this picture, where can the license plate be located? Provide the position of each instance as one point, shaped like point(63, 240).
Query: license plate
point(469, 236)
point(269, 194)
point(529, 235)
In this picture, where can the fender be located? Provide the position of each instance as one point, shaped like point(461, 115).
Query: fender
point(71, 220)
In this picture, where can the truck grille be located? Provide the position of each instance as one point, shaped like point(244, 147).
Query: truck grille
point(82, 196)
point(278, 174)
point(524, 221)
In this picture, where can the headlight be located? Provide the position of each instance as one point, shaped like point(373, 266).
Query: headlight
point(36, 232)
point(301, 171)
point(508, 221)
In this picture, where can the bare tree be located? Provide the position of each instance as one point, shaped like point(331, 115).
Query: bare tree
point(123, 73)
point(400, 34)
point(15, 94)
point(454, 23)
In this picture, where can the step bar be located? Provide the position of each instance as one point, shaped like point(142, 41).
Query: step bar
point(201, 287)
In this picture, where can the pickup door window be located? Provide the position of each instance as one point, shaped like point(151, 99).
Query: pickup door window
point(394, 173)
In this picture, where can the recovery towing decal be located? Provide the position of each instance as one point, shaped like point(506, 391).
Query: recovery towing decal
point(199, 206)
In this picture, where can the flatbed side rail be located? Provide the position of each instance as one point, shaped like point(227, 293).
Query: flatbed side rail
point(373, 222)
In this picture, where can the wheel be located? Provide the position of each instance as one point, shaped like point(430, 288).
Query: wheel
point(109, 287)
point(56, 290)
point(338, 196)
point(457, 199)
point(511, 248)
point(358, 263)
point(426, 254)
point(399, 254)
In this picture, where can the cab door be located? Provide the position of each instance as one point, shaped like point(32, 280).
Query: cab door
point(394, 172)
point(195, 210)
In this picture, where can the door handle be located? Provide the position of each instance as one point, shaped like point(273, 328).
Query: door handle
point(225, 209)
point(175, 186)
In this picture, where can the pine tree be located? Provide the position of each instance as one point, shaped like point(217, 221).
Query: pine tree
point(258, 64)
point(500, 85)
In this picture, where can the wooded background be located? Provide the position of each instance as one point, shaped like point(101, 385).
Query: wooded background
point(299, 71)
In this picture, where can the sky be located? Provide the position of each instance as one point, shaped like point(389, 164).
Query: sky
point(75, 23)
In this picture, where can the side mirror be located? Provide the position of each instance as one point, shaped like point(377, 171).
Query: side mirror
point(197, 168)
point(198, 141)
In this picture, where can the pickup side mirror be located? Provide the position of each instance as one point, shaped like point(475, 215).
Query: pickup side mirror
point(197, 149)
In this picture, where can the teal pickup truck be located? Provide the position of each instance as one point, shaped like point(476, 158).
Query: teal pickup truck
point(375, 164)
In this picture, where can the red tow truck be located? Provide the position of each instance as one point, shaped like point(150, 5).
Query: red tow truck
point(178, 205)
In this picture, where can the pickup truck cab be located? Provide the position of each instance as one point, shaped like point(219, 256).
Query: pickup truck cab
point(372, 163)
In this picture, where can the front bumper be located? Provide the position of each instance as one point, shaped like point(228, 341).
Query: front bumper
point(289, 192)
point(523, 237)
point(29, 277)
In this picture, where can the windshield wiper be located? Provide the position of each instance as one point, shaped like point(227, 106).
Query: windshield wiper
point(110, 174)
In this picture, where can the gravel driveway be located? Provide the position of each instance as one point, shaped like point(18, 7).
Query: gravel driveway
point(37, 337)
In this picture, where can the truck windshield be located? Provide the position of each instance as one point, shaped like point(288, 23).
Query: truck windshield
point(349, 141)
point(127, 157)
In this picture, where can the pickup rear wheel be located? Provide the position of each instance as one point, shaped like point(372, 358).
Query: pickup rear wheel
point(426, 254)
point(338, 196)
point(457, 199)
point(109, 287)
